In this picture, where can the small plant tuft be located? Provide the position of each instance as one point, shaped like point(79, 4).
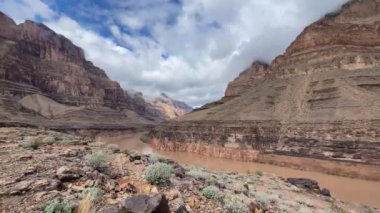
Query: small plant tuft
point(154, 158)
point(97, 160)
point(246, 186)
point(144, 138)
point(158, 173)
point(261, 198)
point(49, 140)
point(234, 204)
point(113, 147)
point(212, 192)
point(55, 206)
point(259, 173)
point(98, 144)
point(94, 194)
point(30, 143)
point(127, 152)
point(199, 174)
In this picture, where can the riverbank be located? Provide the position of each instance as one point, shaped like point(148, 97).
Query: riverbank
point(347, 189)
point(46, 169)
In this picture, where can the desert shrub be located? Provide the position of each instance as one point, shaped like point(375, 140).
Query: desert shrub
point(144, 138)
point(86, 206)
point(212, 192)
point(55, 206)
point(306, 202)
point(30, 143)
point(98, 144)
point(259, 173)
point(304, 210)
point(154, 158)
point(94, 194)
point(234, 204)
point(49, 140)
point(198, 173)
point(127, 152)
point(246, 186)
point(113, 147)
point(158, 173)
point(261, 198)
point(325, 211)
point(97, 160)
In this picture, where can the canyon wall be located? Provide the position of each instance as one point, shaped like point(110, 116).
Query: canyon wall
point(320, 99)
point(36, 60)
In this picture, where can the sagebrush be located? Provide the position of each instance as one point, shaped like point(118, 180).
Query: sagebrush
point(158, 173)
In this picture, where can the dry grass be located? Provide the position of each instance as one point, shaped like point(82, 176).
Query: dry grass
point(86, 205)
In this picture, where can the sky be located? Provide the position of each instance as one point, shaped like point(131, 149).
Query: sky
point(188, 49)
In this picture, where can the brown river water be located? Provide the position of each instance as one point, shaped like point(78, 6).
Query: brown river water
point(346, 189)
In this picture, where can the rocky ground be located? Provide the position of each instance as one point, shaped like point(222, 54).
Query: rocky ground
point(47, 171)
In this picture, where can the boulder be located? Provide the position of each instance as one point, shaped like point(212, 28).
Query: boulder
point(145, 204)
point(304, 182)
point(66, 174)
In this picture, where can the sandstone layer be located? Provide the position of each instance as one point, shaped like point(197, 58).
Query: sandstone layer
point(36, 60)
point(320, 99)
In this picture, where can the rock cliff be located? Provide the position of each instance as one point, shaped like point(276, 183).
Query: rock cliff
point(320, 99)
point(162, 107)
point(169, 108)
point(36, 60)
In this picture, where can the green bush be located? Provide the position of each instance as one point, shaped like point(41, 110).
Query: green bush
point(158, 173)
point(95, 194)
point(97, 160)
point(55, 206)
point(49, 140)
point(212, 192)
point(234, 204)
point(30, 143)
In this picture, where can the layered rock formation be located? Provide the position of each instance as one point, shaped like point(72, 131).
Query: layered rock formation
point(162, 107)
point(320, 99)
point(169, 108)
point(246, 79)
point(36, 60)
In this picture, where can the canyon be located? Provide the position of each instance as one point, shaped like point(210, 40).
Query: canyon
point(46, 81)
point(320, 100)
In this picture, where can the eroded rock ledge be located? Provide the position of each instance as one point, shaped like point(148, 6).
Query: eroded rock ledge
point(348, 144)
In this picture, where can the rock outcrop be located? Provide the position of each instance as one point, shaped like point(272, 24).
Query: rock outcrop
point(247, 79)
point(162, 107)
point(36, 60)
point(169, 108)
point(320, 99)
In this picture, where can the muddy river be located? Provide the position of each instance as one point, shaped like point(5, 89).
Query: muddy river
point(346, 189)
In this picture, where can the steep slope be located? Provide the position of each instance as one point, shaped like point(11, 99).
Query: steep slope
point(162, 107)
point(36, 60)
point(320, 99)
point(169, 108)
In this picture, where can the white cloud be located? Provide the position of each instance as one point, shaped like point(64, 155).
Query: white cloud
point(21, 10)
point(208, 42)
